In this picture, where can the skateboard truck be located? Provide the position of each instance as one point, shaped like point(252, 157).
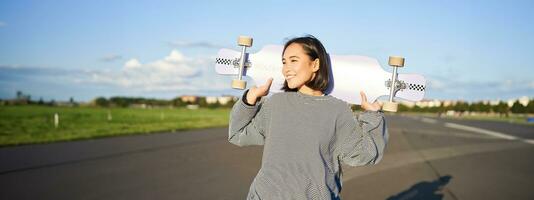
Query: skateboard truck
point(244, 42)
point(399, 85)
point(394, 85)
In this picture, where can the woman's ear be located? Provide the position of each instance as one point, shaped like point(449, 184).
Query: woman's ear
point(316, 64)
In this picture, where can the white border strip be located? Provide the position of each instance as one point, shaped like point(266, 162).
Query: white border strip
point(528, 141)
point(479, 130)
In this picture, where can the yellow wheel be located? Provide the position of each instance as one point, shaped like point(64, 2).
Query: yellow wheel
point(396, 61)
point(244, 41)
point(239, 84)
point(390, 106)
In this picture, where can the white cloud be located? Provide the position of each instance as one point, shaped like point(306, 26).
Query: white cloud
point(132, 63)
point(175, 72)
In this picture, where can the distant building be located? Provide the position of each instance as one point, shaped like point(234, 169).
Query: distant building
point(428, 103)
point(225, 99)
point(189, 99)
point(211, 100)
point(448, 103)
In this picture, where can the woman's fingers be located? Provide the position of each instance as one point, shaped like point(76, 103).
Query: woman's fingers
point(265, 87)
point(368, 106)
point(364, 98)
point(268, 83)
point(263, 90)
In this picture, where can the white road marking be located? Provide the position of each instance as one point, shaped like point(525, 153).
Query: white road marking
point(429, 120)
point(479, 130)
point(528, 141)
point(452, 133)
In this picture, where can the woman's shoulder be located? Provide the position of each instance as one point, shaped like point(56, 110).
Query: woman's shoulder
point(339, 102)
point(279, 95)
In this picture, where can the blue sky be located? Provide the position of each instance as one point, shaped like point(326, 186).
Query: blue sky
point(471, 50)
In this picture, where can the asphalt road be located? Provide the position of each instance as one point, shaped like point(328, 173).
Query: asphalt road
point(426, 158)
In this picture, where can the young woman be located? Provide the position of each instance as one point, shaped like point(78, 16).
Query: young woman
point(306, 134)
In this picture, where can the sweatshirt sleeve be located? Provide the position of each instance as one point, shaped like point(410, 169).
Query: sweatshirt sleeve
point(362, 140)
point(247, 123)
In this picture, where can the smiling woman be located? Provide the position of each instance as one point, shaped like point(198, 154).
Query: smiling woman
point(306, 134)
point(301, 60)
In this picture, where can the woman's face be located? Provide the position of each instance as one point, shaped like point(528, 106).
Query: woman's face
point(298, 68)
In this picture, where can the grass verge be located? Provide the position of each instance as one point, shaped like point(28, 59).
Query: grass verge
point(35, 124)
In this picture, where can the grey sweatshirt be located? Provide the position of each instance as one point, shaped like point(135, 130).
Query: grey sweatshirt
point(305, 138)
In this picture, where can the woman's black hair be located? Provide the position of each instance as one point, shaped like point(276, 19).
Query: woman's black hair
point(314, 49)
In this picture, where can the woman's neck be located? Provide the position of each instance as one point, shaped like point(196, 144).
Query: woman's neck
point(306, 90)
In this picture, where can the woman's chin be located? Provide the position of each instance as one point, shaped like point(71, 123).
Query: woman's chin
point(293, 86)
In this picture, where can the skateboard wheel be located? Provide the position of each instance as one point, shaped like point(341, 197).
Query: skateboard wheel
point(390, 106)
point(396, 61)
point(244, 41)
point(239, 84)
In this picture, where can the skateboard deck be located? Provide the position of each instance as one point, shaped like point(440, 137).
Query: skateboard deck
point(349, 74)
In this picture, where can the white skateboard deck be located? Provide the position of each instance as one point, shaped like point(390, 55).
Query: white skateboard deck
point(350, 74)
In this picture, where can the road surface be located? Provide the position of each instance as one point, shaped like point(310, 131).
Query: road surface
point(426, 158)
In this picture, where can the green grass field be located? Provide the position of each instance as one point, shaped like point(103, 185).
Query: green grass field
point(35, 124)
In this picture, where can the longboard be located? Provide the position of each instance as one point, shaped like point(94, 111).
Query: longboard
point(350, 74)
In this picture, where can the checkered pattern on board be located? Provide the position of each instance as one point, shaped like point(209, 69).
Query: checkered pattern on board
point(416, 87)
point(223, 61)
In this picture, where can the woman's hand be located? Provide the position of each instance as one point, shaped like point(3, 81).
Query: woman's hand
point(255, 92)
point(369, 106)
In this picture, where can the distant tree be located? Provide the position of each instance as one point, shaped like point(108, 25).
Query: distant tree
point(177, 102)
point(41, 101)
point(501, 108)
point(530, 106)
point(19, 94)
point(461, 107)
point(202, 102)
point(22, 99)
point(403, 108)
point(214, 105)
point(518, 107)
point(102, 102)
point(475, 107)
point(486, 107)
point(442, 109)
point(119, 101)
point(228, 104)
